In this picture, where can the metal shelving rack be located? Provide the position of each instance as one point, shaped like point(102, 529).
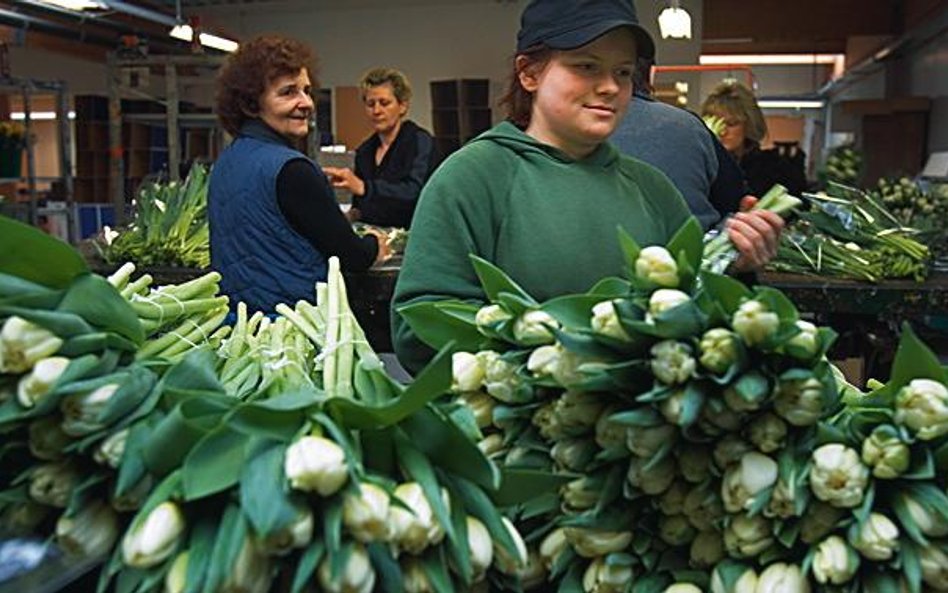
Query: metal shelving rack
point(28, 87)
point(170, 66)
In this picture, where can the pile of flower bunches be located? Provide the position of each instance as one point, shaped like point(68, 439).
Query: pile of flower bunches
point(278, 452)
point(843, 165)
point(706, 442)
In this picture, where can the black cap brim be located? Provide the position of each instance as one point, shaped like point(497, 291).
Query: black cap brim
point(645, 47)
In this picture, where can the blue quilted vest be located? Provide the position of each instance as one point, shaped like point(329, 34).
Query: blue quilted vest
point(262, 260)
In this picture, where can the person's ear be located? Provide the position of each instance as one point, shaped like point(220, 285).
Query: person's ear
point(249, 107)
point(528, 76)
point(403, 108)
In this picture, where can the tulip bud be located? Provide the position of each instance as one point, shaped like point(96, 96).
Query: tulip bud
point(733, 577)
point(489, 316)
point(582, 493)
point(799, 401)
point(673, 406)
point(357, 576)
point(755, 323)
point(548, 423)
point(481, 406)
point(416, 528)
point(250, 572)
point(35, 386)
point(296, 534)
point(717, 418)
point(53, 483)
point(81, 411)
point(718, 348)
point(23, 343)
point(927, 517)
point(590, 543)
point(480, 547)
point(609, 435)
point(645, 441)
point(834, 561)
point(656, 264)
point(730, 450)
point(153, 538)
point(934, 563)
point(747, 537)
point(133, 498)
point(365, 514)
point(316, 464)
point(414, 577)
point(605, 321)
point(552, 547)
point(694, 462)
point(574, 454)
point(47, 439)
point(672, 363)
point(110, 451)
point(707, 549)
point(492, 445)
point(503, 561)
point(744, 481)
point(532, 328)
point(603, 577)
point(533, 575)
point(23, 517)
point(782, 578)
point(682, 588)
point(703, 507)
point(90, 532)
point(885, 453)
point(922, 406)
point(818, 521)
point(876, 539)
point(768, 433)
point(655, 479)
point(665, 299)
point(501, 380)
point(577, 412)
point(838, 476)
point(672, 500)
point(782, 503)
point(806, 343)
point(176, 579)
point(467, 372)
point(675, 530)
point(557, 362)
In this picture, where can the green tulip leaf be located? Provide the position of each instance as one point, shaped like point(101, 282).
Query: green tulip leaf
point(914, 360)
point(726, 291)
point(438, 328)
point(30, 254)
point(495, 281)
point(419, 469)
point(215, 463)
point(519, 486)
point(306, 567)
point(99, 303)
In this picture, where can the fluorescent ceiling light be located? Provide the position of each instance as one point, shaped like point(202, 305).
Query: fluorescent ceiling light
point(77, 5)
point(790, 104)
point(38, 115)
point(675, 22)
point(770, 59)
point(185, 33)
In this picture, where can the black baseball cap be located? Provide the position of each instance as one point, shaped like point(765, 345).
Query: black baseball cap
point(568, 24)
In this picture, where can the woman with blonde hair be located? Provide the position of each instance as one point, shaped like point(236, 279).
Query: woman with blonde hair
point(393, 164)
point(744, 130)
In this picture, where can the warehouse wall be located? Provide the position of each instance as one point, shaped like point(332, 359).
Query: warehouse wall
point(928, 77)
point(428, 40)
point(81, 75)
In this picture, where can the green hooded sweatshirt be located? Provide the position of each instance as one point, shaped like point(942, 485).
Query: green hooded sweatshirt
point(549, 221)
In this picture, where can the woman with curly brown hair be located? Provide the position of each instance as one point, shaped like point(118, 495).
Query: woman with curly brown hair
point(274, 220)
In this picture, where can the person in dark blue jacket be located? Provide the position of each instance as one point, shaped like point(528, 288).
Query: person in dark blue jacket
point(394, 163)
point(274, 220)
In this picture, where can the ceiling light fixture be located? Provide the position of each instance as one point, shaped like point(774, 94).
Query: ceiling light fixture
point(674, 22)
point(75, 5)
point(790, 104)
point(186, 33)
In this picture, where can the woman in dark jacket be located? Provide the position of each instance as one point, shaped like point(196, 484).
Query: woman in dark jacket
point(744, 129)
point(274, 219)
point(394, 163)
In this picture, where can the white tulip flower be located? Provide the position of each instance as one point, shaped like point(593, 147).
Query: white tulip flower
point(922, 406)
point(366, 513)
point(533, 328)
point(877, 539)
point(153, 538)
point(656, 264)
point(754, 322)
point(834, 562)
point(316, 464)
point(672, 362)
point(838, 476)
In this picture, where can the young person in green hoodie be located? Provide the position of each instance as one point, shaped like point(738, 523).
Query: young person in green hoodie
point(541, 195)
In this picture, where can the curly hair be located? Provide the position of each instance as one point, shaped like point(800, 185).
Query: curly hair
point(401, 88)
point(248, 71)
point(517, 101)
point(733, 99)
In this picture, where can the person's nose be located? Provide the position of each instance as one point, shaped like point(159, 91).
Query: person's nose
point(608, 84)
point(306, 101)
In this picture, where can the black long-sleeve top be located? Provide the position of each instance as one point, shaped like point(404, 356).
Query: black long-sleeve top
point(392, 186)
point(309, 205)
